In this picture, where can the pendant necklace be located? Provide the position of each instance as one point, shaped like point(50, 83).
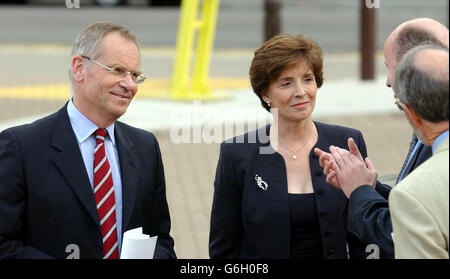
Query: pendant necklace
point(293, 153)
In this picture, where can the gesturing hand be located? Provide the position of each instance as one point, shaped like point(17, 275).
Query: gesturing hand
point(327, 162)
point(350, 171)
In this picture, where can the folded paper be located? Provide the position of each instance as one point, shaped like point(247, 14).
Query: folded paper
point(136, 245)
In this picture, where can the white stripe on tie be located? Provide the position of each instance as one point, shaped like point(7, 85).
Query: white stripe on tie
point(110, 251)
point(103, 181)
point(105, 197)
point(100, 164)
point(98, 146)
point(110, 231)
point(107, 215)
point(100, 137)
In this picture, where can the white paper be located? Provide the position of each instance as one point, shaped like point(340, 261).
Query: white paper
point(136, 245)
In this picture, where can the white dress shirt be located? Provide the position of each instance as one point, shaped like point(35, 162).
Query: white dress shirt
point(84, 131)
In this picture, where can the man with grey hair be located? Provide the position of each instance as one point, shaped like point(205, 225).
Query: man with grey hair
point(368, 209)
point(73, 182)
point(419, 204)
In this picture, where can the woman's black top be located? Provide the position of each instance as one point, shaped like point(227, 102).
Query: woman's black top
point(306, 241)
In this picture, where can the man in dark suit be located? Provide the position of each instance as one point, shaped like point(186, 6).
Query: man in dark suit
point(73, 182)
point(368, 210)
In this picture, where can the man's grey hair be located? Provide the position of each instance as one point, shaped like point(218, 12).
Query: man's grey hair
point(425, 93)
point(87, 41)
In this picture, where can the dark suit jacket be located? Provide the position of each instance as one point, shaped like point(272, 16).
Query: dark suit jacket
point(248, 222)
point(46, 200)
point(368, 210)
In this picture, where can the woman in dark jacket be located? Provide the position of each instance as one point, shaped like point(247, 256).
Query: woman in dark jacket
point(271, 199)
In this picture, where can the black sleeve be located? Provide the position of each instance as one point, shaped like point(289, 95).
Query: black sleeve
point(383, 189)
point(161, 216)
point(370, 220)
point(13, 201)
point(226, 227)
point(368, 216)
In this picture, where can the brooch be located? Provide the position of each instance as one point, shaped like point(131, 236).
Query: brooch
point(261, 183)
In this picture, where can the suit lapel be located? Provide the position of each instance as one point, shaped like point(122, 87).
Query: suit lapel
point(70, 162)
point(270, 167)
point(412, 162)
point(271, 170)
point(129, 166)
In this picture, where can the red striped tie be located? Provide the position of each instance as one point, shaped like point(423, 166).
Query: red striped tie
point(104, 198)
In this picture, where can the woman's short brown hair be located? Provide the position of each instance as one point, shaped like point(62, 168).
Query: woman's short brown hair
point(280, 53)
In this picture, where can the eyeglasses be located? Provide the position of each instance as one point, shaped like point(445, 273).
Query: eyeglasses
point(121, 71)
point(398, 102)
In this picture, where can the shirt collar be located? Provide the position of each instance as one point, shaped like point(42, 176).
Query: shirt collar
point(83, 127)
point(438, 140)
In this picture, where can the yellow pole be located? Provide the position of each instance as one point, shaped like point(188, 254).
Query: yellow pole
point(204, 48)
point(185, 39)
point(182, 86)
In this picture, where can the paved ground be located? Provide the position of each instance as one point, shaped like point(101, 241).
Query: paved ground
point(334, 24)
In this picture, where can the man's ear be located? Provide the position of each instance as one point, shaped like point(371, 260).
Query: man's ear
point(413, 117)
point(78, 69)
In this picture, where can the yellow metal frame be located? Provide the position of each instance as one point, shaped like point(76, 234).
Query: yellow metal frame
point(183, 86)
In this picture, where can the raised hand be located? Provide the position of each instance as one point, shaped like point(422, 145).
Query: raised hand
point(350, 171)
point(326, 162)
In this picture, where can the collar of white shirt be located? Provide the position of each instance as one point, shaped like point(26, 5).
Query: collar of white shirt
point(83, 127)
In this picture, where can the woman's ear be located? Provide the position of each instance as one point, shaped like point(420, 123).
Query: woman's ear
point(265, 98)
point(78, 69)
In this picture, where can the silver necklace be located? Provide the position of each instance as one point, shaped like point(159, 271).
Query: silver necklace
point(292, 152)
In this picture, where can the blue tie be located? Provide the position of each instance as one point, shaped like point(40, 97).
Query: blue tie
point(414, 145)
